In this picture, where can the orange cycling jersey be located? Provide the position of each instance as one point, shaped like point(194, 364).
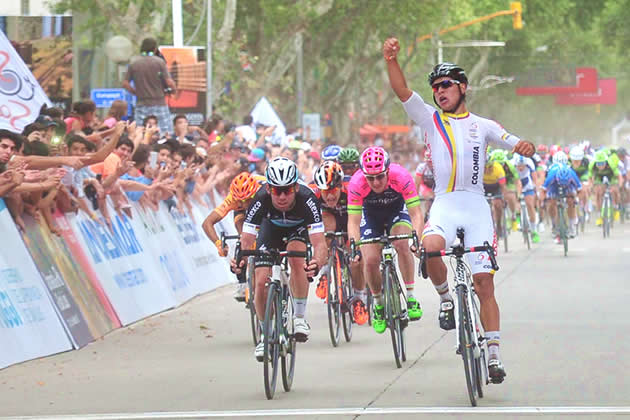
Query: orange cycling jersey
point(230, 203)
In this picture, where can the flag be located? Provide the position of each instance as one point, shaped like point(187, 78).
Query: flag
point(21, 96)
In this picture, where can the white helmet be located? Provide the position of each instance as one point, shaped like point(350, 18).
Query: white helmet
point(576, 153)
point(560, 157)
point(281, 172)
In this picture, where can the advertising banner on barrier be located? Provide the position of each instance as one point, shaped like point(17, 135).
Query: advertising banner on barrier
point(53, 263)
point(29, 324)
point(135, 288)
point(209, 270)
point(162, 247)
point(88, 273)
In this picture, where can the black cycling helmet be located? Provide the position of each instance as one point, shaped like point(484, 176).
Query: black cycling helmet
point(448, 70)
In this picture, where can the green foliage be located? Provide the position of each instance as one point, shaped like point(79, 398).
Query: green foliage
point(343, 66)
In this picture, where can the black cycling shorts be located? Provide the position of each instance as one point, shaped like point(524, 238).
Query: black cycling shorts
point(271, 236)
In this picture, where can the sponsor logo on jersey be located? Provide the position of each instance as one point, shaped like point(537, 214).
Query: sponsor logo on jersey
point(475, 167)
point(473, 131)
point(311, 205)
point(253, 210)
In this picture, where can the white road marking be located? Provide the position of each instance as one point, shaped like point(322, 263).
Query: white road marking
point(334, 412)
point(626, 249)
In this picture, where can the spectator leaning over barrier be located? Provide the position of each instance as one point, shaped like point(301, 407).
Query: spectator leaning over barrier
point(117, 111)
point(150, 77)
point(50, 127)
point(83, 118)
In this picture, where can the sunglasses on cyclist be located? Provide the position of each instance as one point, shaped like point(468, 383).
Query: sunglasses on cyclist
point(278, 191)
point(376, 177)
point(330, 191)
point(444, 84)
point(600, 164)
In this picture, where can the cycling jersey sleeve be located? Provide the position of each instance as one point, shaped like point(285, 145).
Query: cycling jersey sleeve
point(497, 135)
point(419, 111)
point(357, 190)
point(313, 218)
point(226, 206)
point(401, 181)
point(255, 212)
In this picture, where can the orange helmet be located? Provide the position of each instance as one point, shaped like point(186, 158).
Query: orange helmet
point(329, 175)
point(243, 186)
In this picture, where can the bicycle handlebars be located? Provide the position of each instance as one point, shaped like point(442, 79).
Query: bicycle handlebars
point(385, 239)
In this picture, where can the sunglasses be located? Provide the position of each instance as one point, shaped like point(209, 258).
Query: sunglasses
point(278, 191)
point(330, 191)
point(444, 84)
point(600, 163)
point(376, 177)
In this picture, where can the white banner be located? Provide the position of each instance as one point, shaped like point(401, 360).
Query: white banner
point(29, 325)
point(263, 113)
point(124, 265)
point(21, 96)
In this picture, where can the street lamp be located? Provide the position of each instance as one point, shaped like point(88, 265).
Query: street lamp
point(119, 49)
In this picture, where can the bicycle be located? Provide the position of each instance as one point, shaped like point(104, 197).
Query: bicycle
point(249, 292)
point(525, 222)
point(504, 231)
point(280, 343)
point(606, 208)
point(563, 220)
point(339, 289)
point(395, 303)
point(471, 342)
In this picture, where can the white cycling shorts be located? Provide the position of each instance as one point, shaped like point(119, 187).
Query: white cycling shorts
point(467, 210)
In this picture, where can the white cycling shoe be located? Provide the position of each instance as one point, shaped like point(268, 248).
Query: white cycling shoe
point(301, 329)
point(259, 351)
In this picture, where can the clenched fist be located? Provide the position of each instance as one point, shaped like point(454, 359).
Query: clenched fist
point(390, 49)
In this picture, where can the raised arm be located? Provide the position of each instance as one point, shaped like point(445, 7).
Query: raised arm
point(396, 76)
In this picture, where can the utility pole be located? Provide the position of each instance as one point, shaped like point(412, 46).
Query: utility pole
point(178, 31)
point(300, 78)
point(209, 60)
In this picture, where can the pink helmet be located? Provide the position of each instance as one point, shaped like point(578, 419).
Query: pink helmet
point(554, 149)
point(374, 160)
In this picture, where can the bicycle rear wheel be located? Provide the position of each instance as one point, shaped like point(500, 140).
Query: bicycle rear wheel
point(289, 350)
point(393, 322)
point(347, 314)
point(251, 280)
point(333, 304)
point(466, 344)
point(272, 328)
point(401, 314)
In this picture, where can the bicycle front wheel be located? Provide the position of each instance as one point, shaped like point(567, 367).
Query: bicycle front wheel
point(506, 229)
point(392, 302)
point(332, 304)
point(347, 315)
point(272, 330)
point(289, 345)
point(251, 280)
point(466, 344)
point(525, 226)
point(606, 223)
point(563, 229)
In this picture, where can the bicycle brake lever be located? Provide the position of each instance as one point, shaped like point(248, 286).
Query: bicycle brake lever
point(493, 260)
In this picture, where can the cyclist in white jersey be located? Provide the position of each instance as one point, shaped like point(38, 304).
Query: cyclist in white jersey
point(457, 141)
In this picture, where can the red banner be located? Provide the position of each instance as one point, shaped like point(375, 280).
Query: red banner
point(606, 94)
point(585, 82)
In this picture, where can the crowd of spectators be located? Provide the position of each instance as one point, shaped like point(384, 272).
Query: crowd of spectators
point(78, 162)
